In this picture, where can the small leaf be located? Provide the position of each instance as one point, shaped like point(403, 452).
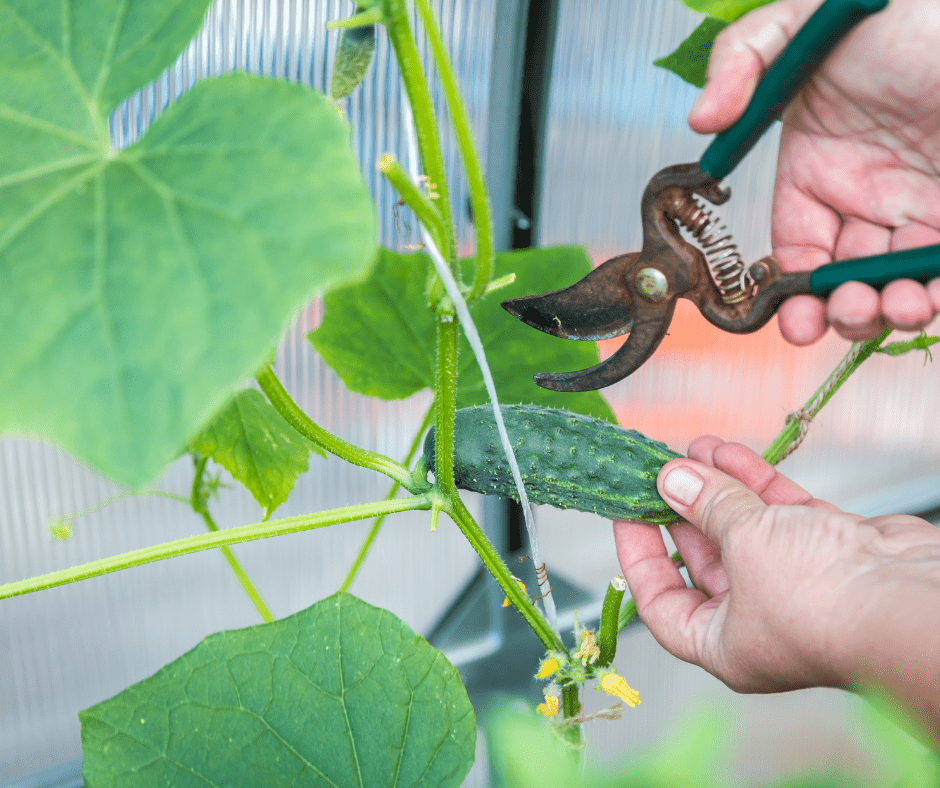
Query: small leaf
point(379, 336)
point(690, 60)
point(254, 443)
point(725, 10)
point(922, 342)
point(341, 694)
point(142, 285)
point(353, 57)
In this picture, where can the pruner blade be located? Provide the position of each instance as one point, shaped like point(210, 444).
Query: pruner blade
point(599, 306)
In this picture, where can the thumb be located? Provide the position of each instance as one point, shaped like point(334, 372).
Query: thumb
point(742, 52)
point(707, 498)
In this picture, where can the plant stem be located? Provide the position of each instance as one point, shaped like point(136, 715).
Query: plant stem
point(857, 355)
point(447, 335)
point(426, 212)
point(571, 707)
point(373, 532)
point(497, 567)
point(200, 507)
point(301, 422)
point(476, 183)
point(213, 540)
point(422, 108)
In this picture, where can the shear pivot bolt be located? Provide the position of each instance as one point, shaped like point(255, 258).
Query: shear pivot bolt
point(651, 284)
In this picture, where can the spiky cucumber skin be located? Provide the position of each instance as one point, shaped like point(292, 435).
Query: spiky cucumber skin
point(567, 460)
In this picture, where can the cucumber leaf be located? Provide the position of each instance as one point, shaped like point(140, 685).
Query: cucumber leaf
point(379, 336)
point(725, 10)
point(141, 285)
point(255, 444)
point(690, 60)
point(341, 694)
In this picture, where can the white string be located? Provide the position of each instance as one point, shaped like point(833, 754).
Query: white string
point(473, 337)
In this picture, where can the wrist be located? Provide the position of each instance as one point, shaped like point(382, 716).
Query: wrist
point(886, 633)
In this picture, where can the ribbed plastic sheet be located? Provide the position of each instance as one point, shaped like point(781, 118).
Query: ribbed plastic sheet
point(615, 120)
point(64, 649)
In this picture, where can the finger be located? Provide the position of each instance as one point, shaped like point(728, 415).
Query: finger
point(672, 612)
point(802, 320)
point(854, 310)
point(933, 290)
point(701, 449)
point(701, 557)
point(753, 471)
point(708, 498)
point(740, 55)
point(906, 305)
point(861, 238)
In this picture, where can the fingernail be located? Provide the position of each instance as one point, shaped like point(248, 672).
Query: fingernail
point(697, 104)
point(683, 485)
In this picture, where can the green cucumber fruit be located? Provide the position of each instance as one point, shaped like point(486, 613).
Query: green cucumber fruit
point(353, 57)
point(567, 460)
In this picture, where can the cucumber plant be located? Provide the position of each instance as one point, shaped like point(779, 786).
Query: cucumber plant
point(158, 286)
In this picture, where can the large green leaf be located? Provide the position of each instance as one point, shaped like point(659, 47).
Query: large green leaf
point(138, 286)
point(340, 694)
point(254, 443)
point(379, 336)
point(690, 60)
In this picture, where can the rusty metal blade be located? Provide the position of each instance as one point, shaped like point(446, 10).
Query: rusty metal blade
point(599, 306)
point(650, 326)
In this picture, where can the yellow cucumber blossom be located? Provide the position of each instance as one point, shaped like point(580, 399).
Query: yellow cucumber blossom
point(551, 705)
point(518, 583)
point(589, 651)
point(548, 668)
point(616, 685)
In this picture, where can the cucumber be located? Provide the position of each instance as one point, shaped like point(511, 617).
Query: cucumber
point(567, 460)
point(353, 57)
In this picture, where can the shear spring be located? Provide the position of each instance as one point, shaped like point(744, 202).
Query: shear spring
point(727, 269)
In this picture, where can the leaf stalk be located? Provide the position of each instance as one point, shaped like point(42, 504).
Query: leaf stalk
point(307, 427)
point(213, 540)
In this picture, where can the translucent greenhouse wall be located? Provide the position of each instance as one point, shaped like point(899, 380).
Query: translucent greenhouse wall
point(614, 120)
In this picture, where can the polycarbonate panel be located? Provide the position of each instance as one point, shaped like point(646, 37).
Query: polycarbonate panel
point(615, 120)
point(65, 649)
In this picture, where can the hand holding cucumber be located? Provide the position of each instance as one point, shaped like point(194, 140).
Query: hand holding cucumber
point(790, 592)
point(859, 156)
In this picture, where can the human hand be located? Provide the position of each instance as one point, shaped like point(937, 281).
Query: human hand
point(858, 171)
point(790, 592)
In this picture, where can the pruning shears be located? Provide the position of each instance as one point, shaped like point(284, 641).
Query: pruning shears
point(637, 292)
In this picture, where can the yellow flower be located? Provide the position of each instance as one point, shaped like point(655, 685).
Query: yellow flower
point(520, 584)
point(613, 684)
point(589, 651)
point(550, 707)
point(548, 668)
